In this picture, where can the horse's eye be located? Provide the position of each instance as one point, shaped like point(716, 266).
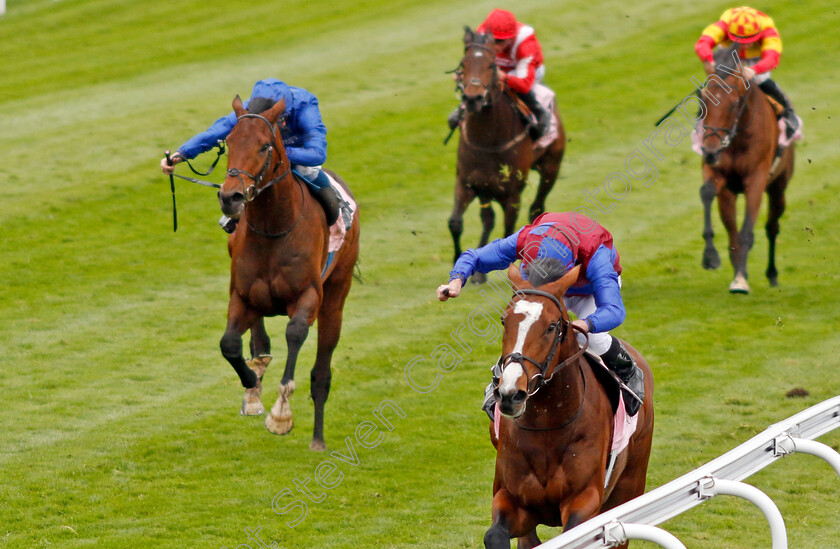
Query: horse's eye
point(265, 147)
point(550, 328)
point(502, 321)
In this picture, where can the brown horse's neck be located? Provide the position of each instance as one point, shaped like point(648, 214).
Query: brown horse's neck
point(495, 124)
point(275, 210)
point(560, 401)
point(757, 123)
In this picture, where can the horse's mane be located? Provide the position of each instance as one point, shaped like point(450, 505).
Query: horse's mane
point(543, 270)
point(258, 105)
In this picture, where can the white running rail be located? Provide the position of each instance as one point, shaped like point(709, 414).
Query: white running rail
point(637, 519)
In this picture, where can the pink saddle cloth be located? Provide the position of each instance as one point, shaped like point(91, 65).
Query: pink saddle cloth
point(337, 230)
point(545, 96)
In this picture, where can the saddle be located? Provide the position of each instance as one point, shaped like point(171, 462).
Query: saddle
point(608, 379)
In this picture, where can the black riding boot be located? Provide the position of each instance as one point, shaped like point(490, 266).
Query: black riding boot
point(773, 90)
point(543, 116)
point(329, 200)
point(619, 361)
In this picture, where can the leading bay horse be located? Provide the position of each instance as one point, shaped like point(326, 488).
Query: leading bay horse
point(279, 257)
point(556, 428)
point(740, 140)
point(495, 150)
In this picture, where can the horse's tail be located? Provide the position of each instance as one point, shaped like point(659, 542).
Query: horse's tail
point(357, 273)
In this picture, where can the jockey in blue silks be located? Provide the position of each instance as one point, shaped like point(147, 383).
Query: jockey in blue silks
point(572, 239)
point(304, 137)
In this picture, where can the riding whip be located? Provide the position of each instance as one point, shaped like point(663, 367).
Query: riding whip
point(658, 122)
point(172, 186)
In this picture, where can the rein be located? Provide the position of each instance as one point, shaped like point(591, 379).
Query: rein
point(726, 135)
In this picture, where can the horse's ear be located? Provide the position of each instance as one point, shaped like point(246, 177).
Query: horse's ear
point(273, 114)
point(558, 287)
point(516, 277)
point(469, 35)
point(237, 106)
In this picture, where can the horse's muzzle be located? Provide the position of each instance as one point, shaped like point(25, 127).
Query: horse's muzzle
point(711, 157)
point(232, 204)
point(511, 405)
point(474, 103)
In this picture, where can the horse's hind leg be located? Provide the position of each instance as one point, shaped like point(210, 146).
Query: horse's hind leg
point(708, 191)
point(548, 168)
point(776, 194)
point(260, 357)
point(463, 197)
point(488, 221)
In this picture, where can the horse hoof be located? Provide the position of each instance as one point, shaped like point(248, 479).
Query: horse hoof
point(251, 403)
point(478, 278)
point(711, 260)
point(317, 445)
point(774, 282)
point(278, 425)
point(739, 286)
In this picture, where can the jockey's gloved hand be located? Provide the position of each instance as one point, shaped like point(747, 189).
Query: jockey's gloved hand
point(168, 169)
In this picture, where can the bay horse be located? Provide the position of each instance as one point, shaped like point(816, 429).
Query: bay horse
point(495, 150)
point(279, 264)
point(740, 140)
point(556, 427)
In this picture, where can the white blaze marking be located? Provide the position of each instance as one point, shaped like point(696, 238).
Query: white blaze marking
point(532, 312)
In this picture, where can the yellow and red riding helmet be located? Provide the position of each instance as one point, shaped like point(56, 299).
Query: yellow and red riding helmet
point(743, 26)
point(501, 23)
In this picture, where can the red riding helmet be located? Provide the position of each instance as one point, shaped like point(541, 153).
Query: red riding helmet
point(502, 24)
point(744, 27)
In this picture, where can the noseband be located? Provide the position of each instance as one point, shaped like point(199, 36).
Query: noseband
point(252, 191)
point(561, 328)
point(726, 135)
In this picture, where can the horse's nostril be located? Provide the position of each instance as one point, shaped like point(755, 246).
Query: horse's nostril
point(519, 396)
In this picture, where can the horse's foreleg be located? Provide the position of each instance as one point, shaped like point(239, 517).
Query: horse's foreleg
point(509, 521)
point(260, 357)
point(726, 206)
point(583, 507)
point(529, 541)
point(279, 420)
point(240, 318)
point(708, 191)
point(463, 197)
point(777, 207)
point(754, 189)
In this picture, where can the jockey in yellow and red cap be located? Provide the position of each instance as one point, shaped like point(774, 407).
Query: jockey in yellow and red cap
point(519, 60)
point(760, 47)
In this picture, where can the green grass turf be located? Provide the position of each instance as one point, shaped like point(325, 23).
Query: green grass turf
point(120, 423)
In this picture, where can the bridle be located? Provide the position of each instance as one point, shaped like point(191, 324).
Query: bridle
point(561, 329)
point(486, 101)
point(726, 135)
point(486, 96)
point(254, 190)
